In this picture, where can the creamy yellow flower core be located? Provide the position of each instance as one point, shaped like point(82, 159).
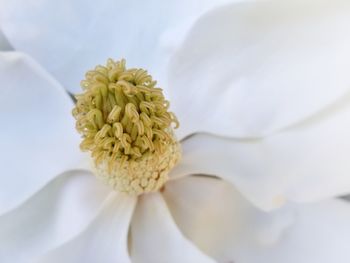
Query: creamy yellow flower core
point(125, 124)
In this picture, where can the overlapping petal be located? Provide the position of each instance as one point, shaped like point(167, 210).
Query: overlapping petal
point(307, 162)
point(70, 37)
point(38, 138)
point(105, 239)
point(219, 220)
point(320, 234)
point(227, 227)
point(251, 68)
point(58, 212)
point(156, 238)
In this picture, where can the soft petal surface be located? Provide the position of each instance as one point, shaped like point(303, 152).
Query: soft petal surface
point(156, 238)
point(70, 37)
point(217, 218)
point(38, 139)
point(321, 234)
point(251, 68)
point(58, 212)
point(105, 239)
point(222, 223)
point(307, 162)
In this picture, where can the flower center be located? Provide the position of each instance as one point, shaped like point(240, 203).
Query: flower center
point(125, 124)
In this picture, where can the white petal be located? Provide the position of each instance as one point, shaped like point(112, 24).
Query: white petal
point(70, 37)
point(321, 234)
point(156, 238)
point(249, 69)
point(4, 44)
point(305, 163)
point(213, 214)
point(38, 139)
point(57, 213)
point(105, 240)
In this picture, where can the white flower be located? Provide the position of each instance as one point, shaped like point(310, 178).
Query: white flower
point(272, 76)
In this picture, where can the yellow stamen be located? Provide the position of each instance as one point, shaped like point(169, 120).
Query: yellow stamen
point(125, 124)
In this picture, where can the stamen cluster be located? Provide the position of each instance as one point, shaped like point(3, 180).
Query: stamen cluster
point(124, 122)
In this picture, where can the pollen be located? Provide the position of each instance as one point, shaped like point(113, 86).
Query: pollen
point(125, 124)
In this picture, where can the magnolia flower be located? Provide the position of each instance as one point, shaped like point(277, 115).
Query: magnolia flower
point(261, 92)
